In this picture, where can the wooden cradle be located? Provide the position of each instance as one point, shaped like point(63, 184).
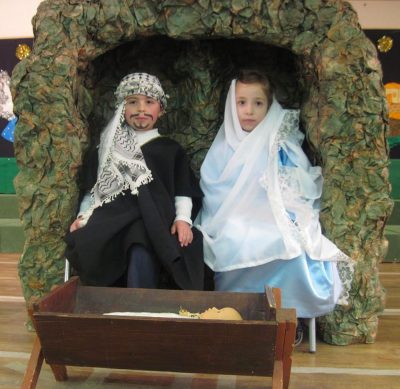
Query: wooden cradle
point(72, 330)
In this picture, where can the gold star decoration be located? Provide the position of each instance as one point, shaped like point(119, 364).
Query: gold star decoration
point(22, 51)
point(385, 43)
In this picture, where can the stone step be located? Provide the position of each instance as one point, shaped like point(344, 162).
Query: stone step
point(394, 218)
point(8, 171)
point(11, 231)
point(392, 234)
point(11, 236)
point(8, 206)
point(394, 177)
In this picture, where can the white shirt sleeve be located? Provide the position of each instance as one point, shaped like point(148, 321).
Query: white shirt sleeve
point(85, 204)
point(84, 208)
point(183, 207)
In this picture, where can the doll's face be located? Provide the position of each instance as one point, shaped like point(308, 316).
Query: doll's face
point(142, 112)
point(251, 105)
point(226, 313)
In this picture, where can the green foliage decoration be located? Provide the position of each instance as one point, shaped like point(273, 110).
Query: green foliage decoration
point(314, 50)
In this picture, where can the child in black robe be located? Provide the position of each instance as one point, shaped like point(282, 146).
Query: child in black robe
point(136, 223)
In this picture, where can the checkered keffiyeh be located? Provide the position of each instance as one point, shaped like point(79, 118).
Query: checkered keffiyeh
point(141, 84)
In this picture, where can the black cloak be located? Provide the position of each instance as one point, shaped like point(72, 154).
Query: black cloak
point(98, 251)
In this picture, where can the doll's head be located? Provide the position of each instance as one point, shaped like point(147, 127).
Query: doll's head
point(226, 313)
point(253, 98)
point(144, 98)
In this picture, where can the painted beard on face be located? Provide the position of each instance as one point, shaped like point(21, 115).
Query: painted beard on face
point(142, 112)
point(141, 121)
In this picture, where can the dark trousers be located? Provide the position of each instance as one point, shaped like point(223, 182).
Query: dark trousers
point(143, 268)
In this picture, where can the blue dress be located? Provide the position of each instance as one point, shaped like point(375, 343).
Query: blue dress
point(306, 285)
point(260, 214)
point(312, 287)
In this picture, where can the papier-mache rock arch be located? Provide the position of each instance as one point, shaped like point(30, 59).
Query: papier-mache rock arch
point(317, 55)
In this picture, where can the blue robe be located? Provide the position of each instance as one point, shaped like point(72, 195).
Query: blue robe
point(312, 287)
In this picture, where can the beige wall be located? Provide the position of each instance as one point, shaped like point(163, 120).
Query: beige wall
point(378, 14)
point(15, 18)
point(16, 15)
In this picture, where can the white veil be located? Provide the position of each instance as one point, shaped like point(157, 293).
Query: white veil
point(255, 209)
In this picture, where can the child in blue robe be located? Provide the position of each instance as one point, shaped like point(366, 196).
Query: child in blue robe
point(260, 212)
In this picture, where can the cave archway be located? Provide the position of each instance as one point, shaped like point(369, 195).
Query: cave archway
point(195, 75)
point(320, 58)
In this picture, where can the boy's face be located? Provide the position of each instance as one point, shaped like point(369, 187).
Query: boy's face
point(142, 112)
point(251, 105)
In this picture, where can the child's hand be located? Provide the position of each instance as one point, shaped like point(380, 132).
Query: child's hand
point(75, 225)
point(185, 234)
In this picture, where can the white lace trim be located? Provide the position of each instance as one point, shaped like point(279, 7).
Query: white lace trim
point(6, 103)
point(345, 268)
point(289, 188)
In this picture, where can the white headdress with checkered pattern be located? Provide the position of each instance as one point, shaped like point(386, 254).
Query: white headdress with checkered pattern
point(121, 162)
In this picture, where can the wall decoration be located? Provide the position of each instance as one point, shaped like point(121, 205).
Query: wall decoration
point(22, 51)
point(7, 107)
point(393, 97)
point(8, 60)
point(389, 59)
point(385, 43)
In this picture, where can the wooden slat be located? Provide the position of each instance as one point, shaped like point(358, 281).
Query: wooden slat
point(34, 366)
point(277, 378)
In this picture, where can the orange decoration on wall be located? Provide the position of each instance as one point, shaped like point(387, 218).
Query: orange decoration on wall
point(393, 98)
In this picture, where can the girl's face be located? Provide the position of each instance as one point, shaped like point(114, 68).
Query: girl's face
point(142, 112)
point(251, 105)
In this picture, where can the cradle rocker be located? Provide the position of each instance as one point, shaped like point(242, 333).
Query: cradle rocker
point(259, 345)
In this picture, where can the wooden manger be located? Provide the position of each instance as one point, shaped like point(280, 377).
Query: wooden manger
point(73, 330)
